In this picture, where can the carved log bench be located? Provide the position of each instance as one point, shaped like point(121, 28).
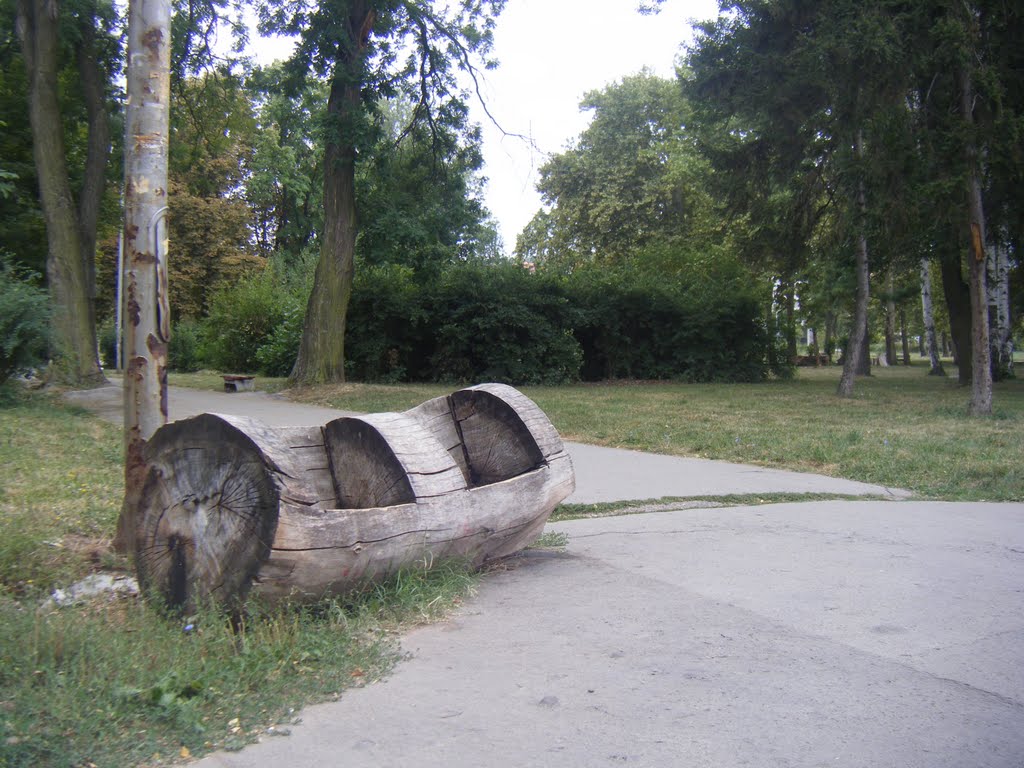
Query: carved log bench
point(230, 504)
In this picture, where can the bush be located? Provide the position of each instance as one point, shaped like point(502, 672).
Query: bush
point(698, 325)
point(243, 317)
point(387, 328)
point(107, 338)
point(499, 322)
point(502, 323)
point(276, 356)
point(697, 321)
point(24, 320)
point(471, 322)
point(183, 352)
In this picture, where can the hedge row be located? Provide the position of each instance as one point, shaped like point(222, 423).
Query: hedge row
point(486, 322)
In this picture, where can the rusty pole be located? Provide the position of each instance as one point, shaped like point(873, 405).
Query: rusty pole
point(146, 316)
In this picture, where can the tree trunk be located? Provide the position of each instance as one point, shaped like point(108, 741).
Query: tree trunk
point(147, 322)
point(864, 364)
point(890, 319)
point(790, 299)
point(75, 359)
point(981, 363)
point(1001, 340)
point(928, 317)
point(958, 306)
point(296, 513)
point(97, 153)
point(769, 320)
point(857, 344)
point(322, 349)
point(858, 333)
point(830, 323)
point(903, 335)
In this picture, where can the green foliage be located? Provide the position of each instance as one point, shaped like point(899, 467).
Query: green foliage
point(24, 320)
point(107, 339)
point(701, 327)
point(284, 181)
point(183, 352)
point(242, 318)
point(114, 682)
point(418, 197)
point(632, 178)
point(254, 325)
point(212, 132)
point(276, 356)
point(386, 320)
point(500, 323)
point(473, 322)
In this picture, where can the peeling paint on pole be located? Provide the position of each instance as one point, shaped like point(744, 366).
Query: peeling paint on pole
point(147, 316)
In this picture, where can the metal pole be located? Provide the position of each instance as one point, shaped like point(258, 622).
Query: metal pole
point(118, 357)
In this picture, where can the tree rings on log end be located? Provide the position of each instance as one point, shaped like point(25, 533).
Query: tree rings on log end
point(497, 442)
point(207, 515)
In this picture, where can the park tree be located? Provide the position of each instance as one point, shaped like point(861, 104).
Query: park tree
point(420, 193)
point(212, 138)
point(631, 179)
point(147, 322)
point(52, 36)
point(911, 113)
point(284, 174)
point(928, 316)
point(368, 50)
point(795, 91)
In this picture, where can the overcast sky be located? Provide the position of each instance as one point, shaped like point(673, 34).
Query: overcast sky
point(552, 52)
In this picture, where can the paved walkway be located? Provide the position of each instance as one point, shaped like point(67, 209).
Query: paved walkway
point(841, 633)
point(602, 474)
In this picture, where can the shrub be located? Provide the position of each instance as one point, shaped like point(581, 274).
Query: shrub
point(243, 317)
point(699, 324)
point(276, 356)
point(502, 323)
point(183, 352)
point(499, 322)
point(470, 322)
point(24, 320)
point(387, 328)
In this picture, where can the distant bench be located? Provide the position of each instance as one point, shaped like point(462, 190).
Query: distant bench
point(806, 361)
point(239, 383)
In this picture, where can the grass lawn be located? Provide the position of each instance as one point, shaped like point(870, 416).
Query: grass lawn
point(902, 428)
point(118, 683)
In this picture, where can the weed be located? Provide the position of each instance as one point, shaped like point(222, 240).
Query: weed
point(116, 682)
point(551, 540)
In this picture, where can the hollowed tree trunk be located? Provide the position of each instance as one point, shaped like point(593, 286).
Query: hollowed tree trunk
point(231, 505)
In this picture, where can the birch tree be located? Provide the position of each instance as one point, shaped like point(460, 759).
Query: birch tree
point(997, 266)
point(147, 322)
point(928, 316)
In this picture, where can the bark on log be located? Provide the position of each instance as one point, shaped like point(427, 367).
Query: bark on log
point(231, 504)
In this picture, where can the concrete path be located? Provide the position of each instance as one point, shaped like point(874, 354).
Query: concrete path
point(841, 634)
point(602, 474)
point(847, 634)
